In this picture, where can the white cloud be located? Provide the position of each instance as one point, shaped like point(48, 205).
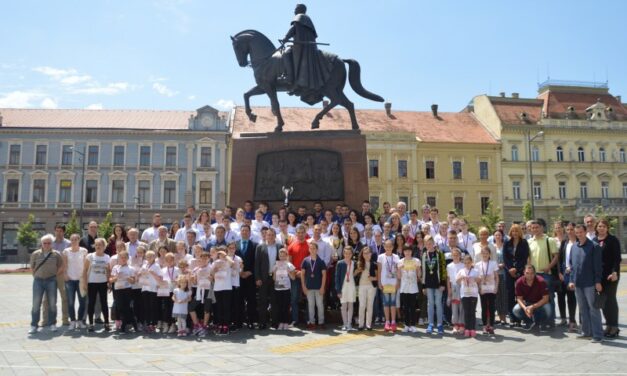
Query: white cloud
point(191, 97)
point(49, 103)
point(109, 89)
point(224, 104)
point(20, 99)
point(94, 106)
point(55, 73)
point(75, 79)
point(164, 90)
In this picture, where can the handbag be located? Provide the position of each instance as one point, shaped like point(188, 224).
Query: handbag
point(599, 300)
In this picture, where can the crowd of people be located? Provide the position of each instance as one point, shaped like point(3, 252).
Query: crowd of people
point(223, 270)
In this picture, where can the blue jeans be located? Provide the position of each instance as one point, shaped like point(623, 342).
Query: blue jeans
point(434, 297)
point(46, 286)
point(378, 305)
point(540, 315)
point(72, 290)
point(296, 292)
point(590, 317)
point(548, 278)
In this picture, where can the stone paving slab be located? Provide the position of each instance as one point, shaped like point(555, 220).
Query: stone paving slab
point(510, 352)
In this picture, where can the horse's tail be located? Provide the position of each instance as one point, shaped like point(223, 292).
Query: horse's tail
point(354, 78)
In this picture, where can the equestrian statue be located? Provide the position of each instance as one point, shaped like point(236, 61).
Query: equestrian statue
point(300, 69)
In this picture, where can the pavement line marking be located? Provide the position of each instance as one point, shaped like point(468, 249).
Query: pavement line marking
point(316, 343)
point(14, 324)
point(323, 356)
point(170, 372)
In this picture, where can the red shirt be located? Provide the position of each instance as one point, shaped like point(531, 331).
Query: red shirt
point(298, 251)
point(534, 293)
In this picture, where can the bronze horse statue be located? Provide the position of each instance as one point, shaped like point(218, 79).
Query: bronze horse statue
point(268, 70)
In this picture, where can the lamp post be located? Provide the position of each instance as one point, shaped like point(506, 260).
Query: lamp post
point(530, 158)
point(82, 154)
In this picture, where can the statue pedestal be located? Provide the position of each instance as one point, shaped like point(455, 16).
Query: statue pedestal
point(326, 166)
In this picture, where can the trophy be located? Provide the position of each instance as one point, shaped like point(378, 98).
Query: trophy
point(287, 192)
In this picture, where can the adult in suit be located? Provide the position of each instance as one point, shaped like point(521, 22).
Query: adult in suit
point(266, 256)
point(163, 241)
point(246, 250)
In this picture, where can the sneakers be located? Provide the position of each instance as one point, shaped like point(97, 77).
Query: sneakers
point(406, 329)
point(72, 326)
point(429, 328)
point(572, 327)
point(393, 327)
point(32, 330)
point(528, 325)
point(172, 329)
point(440, 329)
point(473, 333)
point(118, 324)
point(53, 328)
point(90, 328)
point(491, 330)
point(387, 327)
point(597, 340)
point(344, 328)
point(467, 333)
point(181, 333)
point(80, 324)
point(311, 326)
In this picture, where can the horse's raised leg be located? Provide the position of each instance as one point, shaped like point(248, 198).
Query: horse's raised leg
point(315, 124)
point(254, 91)
point(276, 109)
point(344, 101)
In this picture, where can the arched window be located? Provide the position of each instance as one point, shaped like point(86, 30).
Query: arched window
point(622, 156)
point(602, 156)
point(514, 153)
point(581, 154)
point(560, 154)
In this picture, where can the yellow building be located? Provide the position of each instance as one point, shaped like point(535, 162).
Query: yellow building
point(578, 146)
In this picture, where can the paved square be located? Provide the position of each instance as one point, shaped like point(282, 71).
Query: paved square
point(295, 351)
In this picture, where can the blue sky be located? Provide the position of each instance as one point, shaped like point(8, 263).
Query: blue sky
point(177, 54)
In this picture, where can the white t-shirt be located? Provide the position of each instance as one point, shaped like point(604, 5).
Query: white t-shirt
point(181, 234)
point(150, 234)
point(282, 270)
point(388, 266)
point(97, 268)
point(237, 268)
point(180, 308)
point(466, 241)
point(202, 277)
point(487, 271)
point(149, 281)
point(452, 269)
point(222, 275)
point(409, 276)
point(475, 252)
point(75, 263)
point(469, 282)
point(123, 272)
point(170, 275)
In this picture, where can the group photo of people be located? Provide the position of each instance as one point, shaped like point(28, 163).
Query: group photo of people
point(215, 272)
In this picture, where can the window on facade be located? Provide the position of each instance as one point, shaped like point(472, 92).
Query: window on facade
point(205, 156)
point(514, 153)
point(39, 190)
point(9, 239)
point(117, 191)
point(605, 189)
point(144, 156)
point(561, 187)
point(402, 168)
point(118, 155)
point(13, 190)
point(560, 154)
point(143, 191)
point(602, 156)
point(458, 203)
point(205, 193)
point(457, 169)
point(622, 156)
point(535, 154)
point(65, 191)
point(516, 190)
point(374, 203)
point(537, 190)
point(583, 190)
point(485, 202)
point(92, 155)
point(66, 155)
point(483, 170)
point(40, 155)
point(581, 154)
point(170, 156)
point(373, 168)
point(14, 154)
point(430, 169)
point(431, 201)
point(91, 191)
point(169, 192)
point(625, 190)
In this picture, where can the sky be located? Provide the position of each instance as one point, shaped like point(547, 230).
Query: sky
point(177, 54)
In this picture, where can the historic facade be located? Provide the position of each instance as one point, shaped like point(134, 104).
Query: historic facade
point(578, 148)
point(130, 162)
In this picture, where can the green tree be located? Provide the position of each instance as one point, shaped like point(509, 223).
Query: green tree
point(72, 226)
point(26, 236)
point(559, 217)
point(491, 217)
point(526, 211)
point(105, 229)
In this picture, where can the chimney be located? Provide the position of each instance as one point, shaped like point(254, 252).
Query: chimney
point(502, 94)
point(619, 99)
point(515, 95)
point(434, 109)
point(388, 109)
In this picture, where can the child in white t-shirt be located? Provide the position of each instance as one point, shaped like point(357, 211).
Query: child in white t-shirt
point(200, 304)
point(409, 270)
point(454, 297)
point(488, 282)
point(123, 277)
point(467, 278)
point(164, 293)
point(283, 273)
point(236, 310)
point(150, 277)
point(388, 283)
point(222, 271)
point(181, 297)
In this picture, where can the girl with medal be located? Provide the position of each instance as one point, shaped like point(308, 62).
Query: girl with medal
point(151, 275)
point(467, 279)
point(345, 285)
point(283, 273)
point(409, 274)
point(170, 274)
point(388, 283)
point(123, 276)
point(454, 297)
point(366, 276)
point(434, 278)
point(488, 281)
point(221, 271)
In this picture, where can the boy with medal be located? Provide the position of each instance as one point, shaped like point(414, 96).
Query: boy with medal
point(313, 278)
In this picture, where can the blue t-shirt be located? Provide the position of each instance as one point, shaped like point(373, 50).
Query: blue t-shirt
point(313, 272)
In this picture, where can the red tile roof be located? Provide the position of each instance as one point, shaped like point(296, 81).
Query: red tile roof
point(510, 110)
point(107, 119)
point(454, 127)
point(556, 103)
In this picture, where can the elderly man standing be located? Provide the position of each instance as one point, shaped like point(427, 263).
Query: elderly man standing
point(59, 244)
point(46, 264)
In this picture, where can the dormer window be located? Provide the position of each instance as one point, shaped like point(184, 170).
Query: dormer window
point(597, 111)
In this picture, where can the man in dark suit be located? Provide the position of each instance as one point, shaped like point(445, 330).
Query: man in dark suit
point(266, 256)
point(246, 250)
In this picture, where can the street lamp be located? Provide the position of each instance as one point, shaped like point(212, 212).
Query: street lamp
point(82, 154)
point(530, 158)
